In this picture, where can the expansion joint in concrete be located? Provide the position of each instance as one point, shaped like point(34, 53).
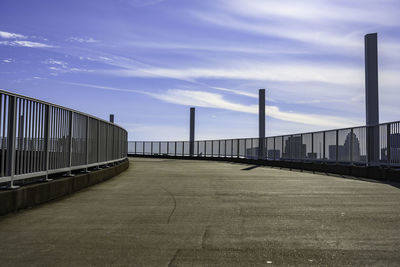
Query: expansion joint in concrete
point(173, 209)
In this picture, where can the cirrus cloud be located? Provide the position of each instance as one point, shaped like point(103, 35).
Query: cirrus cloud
point(10, 35)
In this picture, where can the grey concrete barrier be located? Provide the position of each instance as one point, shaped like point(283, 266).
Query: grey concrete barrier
point(35, 194)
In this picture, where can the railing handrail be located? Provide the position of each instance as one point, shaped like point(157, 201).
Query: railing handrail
point(56, 106)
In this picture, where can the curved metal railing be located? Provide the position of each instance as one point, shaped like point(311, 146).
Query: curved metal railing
point(38, 138)
point(345, 146)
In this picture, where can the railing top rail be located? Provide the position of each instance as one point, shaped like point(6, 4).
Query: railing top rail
point(57, 106)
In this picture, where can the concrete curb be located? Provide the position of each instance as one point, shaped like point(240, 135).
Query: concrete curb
point(376, 173)
point(36, 194)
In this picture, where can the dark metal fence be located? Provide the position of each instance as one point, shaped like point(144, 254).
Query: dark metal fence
point(347, 146)
point(39, 138)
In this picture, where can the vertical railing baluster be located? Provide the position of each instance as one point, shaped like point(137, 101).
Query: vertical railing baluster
point(98, 143)
point(231, 148)
point(51, 139)
point(28, 165)
point(323, 146)
point(337, 146)
point(24, 140)
point(251, 148)
point(87, 144)
point(351, 145)
point(11, 135)
point(71, 131)
point(301, 148)
point(2, 125)
point(35, 137)
point(46, 140)
point(18, 139)
point(225, 148)
point(245, 154)
point(40, 147)
point(238, 147)
point(65, 138)
point(388, 144)
point(312, 146)
point(265, 150)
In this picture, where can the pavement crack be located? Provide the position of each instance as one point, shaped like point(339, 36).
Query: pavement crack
point(173, 210)
point(171, 261)
point(204, 237)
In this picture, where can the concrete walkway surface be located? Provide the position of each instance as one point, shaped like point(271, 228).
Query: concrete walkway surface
point(166, 212)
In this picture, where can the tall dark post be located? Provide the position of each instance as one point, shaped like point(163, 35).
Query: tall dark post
point(112, 118)
point(261, 122)
point(371, 97)
point(192, 117)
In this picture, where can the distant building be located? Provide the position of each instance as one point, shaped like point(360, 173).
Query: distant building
point(344, 151)
point(294, 148)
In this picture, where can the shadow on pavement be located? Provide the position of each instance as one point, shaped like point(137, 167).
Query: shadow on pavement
point(250, 168)
point(394, 184)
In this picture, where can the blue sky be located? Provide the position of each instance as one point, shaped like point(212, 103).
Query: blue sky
point(149, 61)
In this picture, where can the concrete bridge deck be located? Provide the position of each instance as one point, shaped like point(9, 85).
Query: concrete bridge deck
point(165, 212)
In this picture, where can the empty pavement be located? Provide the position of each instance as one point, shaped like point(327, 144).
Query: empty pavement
point(166, 212)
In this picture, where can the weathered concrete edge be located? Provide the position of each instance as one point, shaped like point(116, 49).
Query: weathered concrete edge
point(375, 173)
point(36, 194)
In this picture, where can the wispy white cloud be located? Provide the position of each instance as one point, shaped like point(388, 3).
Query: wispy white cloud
point(293, 71)
point(109, 88)
point(266, 49)
point(8, 60)
point(295, 32)
point(237, 92)
point(10, 35)
point(56, 62)
point(105, 58)
point(83, 40)
point(142, 3)
point(25, 44)
point(58, 67)
point(334, 26)
point(20, 43)
point(212, 100)
point(371, 12)
point(59, 70)
point(255, 71)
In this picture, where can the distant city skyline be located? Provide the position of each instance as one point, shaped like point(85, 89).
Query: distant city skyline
point(147, 62)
